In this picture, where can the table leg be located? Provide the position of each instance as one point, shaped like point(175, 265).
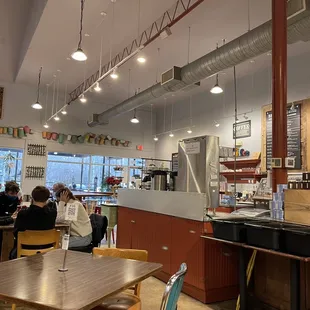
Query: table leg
point(242, 278)
point(295, 284)
point(109, 231)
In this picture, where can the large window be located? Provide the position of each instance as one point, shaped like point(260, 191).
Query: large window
point(86, 172)
point(10, 165)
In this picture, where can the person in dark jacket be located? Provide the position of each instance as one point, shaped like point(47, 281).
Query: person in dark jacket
point(9, 199)
point(37, 217)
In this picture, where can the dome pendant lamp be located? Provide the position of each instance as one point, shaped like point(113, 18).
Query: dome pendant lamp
point(79, 54)
point(216, 89)
point(37, 105)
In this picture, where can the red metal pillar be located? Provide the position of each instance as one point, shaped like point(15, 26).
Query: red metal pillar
point(279, 89)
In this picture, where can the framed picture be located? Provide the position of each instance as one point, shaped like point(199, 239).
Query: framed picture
point(242, 130)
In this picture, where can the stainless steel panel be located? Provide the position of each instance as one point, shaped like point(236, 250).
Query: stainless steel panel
point(199, 169)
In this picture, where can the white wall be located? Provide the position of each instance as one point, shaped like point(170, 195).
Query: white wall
point(17, 112)
point(253, 92)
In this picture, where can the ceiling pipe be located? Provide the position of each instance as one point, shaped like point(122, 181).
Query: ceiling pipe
point(249, 45)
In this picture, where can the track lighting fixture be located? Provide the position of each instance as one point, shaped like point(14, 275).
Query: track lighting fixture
point(83, 99)
point(97, 88)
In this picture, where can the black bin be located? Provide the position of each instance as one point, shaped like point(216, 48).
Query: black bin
point(297, 240)
point(265, 235)
point(230, 229)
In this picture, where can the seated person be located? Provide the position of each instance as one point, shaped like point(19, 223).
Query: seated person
point(37, 217)
point(9, 199)
point(52, 203)
point(81, 230)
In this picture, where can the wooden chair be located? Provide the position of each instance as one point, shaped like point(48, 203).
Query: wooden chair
point(36, 238)
point(124, 301)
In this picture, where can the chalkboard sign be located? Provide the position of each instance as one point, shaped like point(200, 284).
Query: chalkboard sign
point(175, 162)
point(242, 130)
point(293, 136)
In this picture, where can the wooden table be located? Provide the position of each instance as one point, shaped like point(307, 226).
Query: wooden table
point(82, 195)
point(36, 282)
point(8, 238)
point(295, 270)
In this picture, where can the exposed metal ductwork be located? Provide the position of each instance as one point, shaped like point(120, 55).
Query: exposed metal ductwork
point(251, 44)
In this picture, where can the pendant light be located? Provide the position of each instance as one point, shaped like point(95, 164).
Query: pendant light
point(141, 59)
point(37, 105)
point(216, 89)
point(83, 99)
point(189, 131)
point(64, 110)
point(56, 117)
point(216, 124)
point(46, 104)
point(97, 88)
point(79, 55)
point(171, 135)
point(156, 138)
point(135, 120)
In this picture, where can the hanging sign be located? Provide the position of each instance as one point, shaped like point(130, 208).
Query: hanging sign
point(71, 212)
point(192, 148)
point(242, 130)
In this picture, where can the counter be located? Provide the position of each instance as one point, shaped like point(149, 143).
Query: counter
point(180, 204)
point(169, 225)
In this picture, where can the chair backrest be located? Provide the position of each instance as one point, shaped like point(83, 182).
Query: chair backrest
point(173, 289)
point(31, 242)
point(99, 225)
point(140, 255)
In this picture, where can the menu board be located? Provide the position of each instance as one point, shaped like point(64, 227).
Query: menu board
point(175, 162)
point(293, 136)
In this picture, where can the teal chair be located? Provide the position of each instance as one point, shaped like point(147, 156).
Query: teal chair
point(173, 289)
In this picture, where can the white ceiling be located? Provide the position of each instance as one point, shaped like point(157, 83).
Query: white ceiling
point(56, 37)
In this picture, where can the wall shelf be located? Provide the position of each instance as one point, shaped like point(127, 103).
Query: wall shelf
point(242, 176)
point(245, 163)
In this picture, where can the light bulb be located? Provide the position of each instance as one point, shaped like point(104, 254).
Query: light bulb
point(114, 75)
point(189, 131)
point(217, 124)
point(171, 135)
point(37, 106)
point(216, 89)
point(57, 118)
point(83, 99)
point(97, 88)
point(134, 120)
point(55, 153)
point(45, 125)
point(79, 55)
point(64, 112)
point(141, 59)
point(155, 138)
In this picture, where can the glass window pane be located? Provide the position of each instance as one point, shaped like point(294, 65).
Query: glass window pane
point(97, 178)
point(73, 158)
point(69, 174)
point(98, 159)
point(85, 179)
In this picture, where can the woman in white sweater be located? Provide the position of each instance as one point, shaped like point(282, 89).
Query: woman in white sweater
point(81, 230)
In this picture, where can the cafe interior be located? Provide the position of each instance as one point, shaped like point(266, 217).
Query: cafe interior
point(154, 154)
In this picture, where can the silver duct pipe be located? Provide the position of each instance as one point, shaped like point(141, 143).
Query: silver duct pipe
point(251, 44)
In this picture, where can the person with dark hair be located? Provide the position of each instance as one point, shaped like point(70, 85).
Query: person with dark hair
point(81, 229)
point(37, 217)
point(9, 199)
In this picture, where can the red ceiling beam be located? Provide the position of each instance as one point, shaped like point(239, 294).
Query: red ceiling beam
point(179, 10)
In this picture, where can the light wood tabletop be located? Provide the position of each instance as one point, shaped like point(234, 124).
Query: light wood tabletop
point(57, 226)
point(36, 282)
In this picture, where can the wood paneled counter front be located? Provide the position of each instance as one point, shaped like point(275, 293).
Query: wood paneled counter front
point(212, 269)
